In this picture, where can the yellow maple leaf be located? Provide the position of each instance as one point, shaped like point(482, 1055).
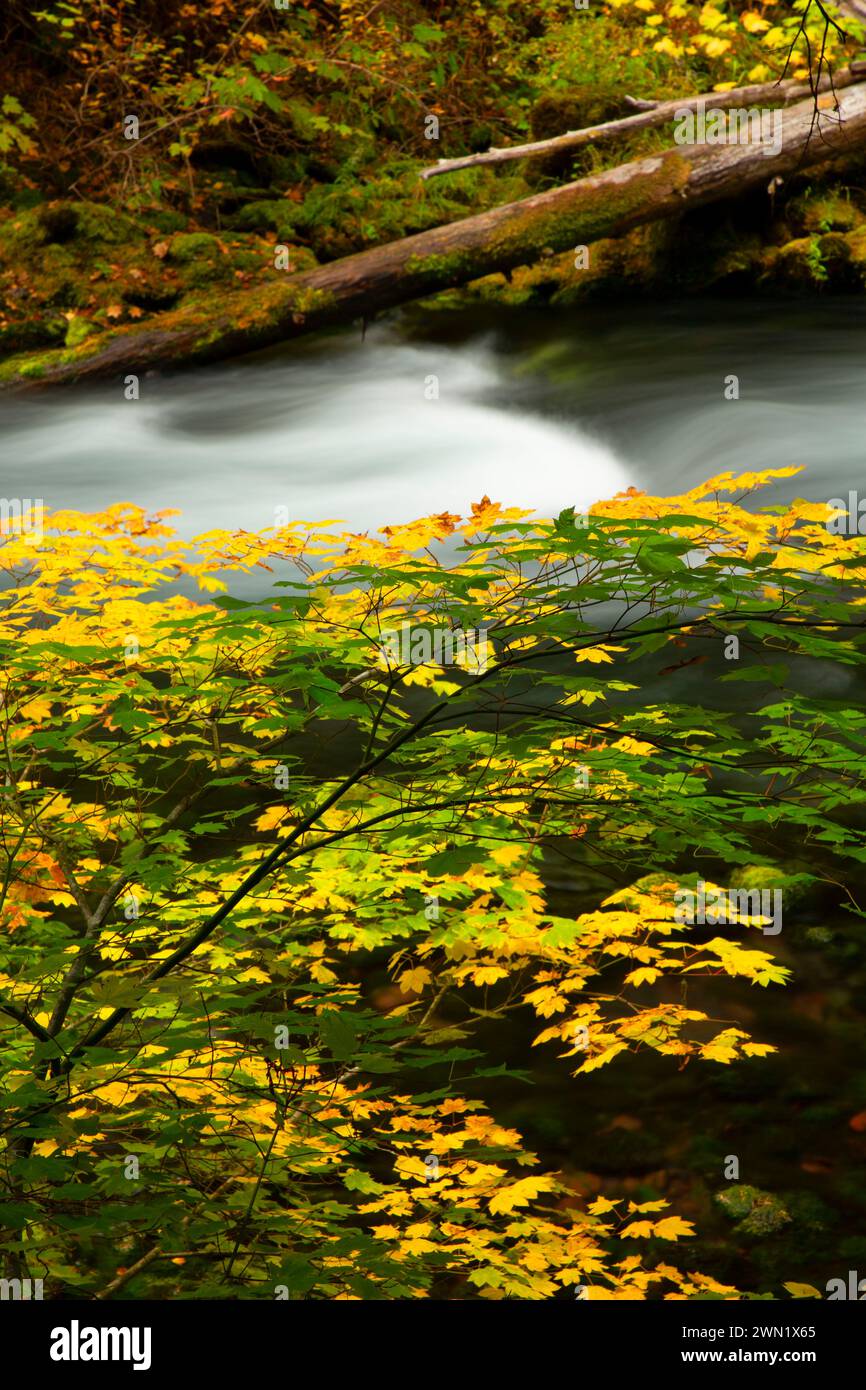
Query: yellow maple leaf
point(488, 975)
point(518, 1194)
point(273, 816)
point(603, 1057)
point(637, 1230)
point(508, 854)
point(645, 976)
point(417, 1246)
point(413, 981)
point(600, 1206)
point(672, 1227)
point(597, 655)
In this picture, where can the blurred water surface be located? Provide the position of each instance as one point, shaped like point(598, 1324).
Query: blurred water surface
point(541, 409)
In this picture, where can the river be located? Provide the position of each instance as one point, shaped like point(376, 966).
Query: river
point(430, 412)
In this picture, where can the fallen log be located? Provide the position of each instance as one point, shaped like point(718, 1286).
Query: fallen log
point(604, 205)
point(654, 114)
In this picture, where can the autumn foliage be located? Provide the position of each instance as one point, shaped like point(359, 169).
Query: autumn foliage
point(219, 814)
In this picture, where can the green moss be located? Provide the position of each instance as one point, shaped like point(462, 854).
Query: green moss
point(77, 330)
point(795, 266)
point(757, 1213)
point(557, 113)
point(28, 367)
point(77, 261)
point(597, 209)
point(204, 319)
point(32, 335)
point(738, 1201)
point(793, 885)
point(366, 207)
point(857, 246)
point(68, 224)
point(589, 104)
point(194, 246)
point(166, 220)
point(14, 194)
point(445, 267)
point(843, 271)
point(277, 215)
point(808, 1211)
point(533, 237)
point(199, 257)
point(106, 225)
point(828, 210)
point(33, 370)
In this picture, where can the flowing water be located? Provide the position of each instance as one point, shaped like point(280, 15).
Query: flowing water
point(543, 410)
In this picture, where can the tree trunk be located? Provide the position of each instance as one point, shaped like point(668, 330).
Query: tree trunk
point(604, 205)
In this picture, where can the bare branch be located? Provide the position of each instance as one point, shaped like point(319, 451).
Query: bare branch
point(656, 114)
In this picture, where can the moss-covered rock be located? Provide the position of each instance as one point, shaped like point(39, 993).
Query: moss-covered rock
point(756, 1213)
point(278, 215)
point(62, 222)
point(857, 246)
point(827, 210)
point(189, 247)
point(32, 335)
point(793, 885)
point(797, 267)
point(23, 233)
point(557, 113)
point(70, 270)
point(166, 220)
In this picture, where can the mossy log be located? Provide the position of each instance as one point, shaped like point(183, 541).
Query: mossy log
point(359, 286)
